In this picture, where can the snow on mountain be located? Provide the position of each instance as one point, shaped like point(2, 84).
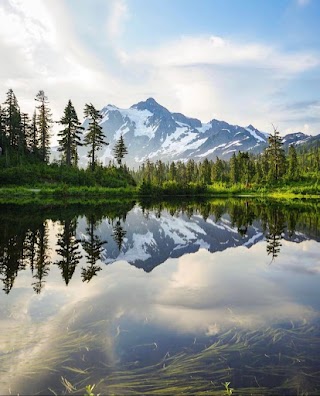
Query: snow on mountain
point(151, 239)
point(257, 134)
point(295, 138)
point(152, 132)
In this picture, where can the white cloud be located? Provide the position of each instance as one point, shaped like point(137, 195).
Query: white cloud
point(211, 77)
point(45, 53)
point(117, 16)
point(200, 76)
point(216, 51)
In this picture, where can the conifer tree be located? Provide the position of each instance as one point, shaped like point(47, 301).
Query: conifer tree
point(3, 138)
point(70, 135)
point(12, 119)
point(120, 150)
point(191, 171)
point(293, 169)
point(44, 122)
point(33, 139)
point(68, 249)
point(95, 137)
point(172, 171)
point(217, 170)
point(93, 246)
point(118, 234)
point(24, 133)
point(42, 265)
point(159, 172)
point(205, 172)
point(234, 171)
point(276, 156)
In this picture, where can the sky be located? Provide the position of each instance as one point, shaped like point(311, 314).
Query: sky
point(241, 61)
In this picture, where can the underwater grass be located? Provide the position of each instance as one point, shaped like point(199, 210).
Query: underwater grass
point(236, 356)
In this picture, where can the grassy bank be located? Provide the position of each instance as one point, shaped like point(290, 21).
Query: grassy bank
point(64, 194)
point(74, 194)
point(303, 189)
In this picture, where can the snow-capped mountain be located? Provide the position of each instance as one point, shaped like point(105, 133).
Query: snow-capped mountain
point(150, 239)
point(150, 131)
point(295, 138)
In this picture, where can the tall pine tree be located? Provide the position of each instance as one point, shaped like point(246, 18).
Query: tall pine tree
point(276, 157)
point(293, 168)
point(70, 135)
point(33, 138)
point(68, 249)
point(44, 122)
point(94, 137)
point(120, 150)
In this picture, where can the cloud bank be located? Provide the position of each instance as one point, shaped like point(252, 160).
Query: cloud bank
point(202, 76)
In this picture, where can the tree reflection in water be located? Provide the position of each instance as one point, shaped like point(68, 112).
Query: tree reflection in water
point(24, 238)
point(93, 246)
point(68, 249)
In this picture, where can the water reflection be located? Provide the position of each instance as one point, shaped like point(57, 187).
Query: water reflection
point(68, 249)
point(219, 314)
point(93, 247)
point(146, 236)
point(118, 234)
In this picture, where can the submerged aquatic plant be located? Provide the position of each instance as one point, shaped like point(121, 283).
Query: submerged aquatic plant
point(228, 391)
point(89, 390)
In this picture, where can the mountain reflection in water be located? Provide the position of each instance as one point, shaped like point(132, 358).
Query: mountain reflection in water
point(229, 292)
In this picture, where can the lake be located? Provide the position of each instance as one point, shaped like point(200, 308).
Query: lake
point(161, 298)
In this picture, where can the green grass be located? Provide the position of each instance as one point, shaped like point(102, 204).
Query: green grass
point(64, 193)
point(303, 188)
point(69, 192)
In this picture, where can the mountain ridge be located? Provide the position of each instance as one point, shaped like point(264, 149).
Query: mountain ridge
point(152, 132)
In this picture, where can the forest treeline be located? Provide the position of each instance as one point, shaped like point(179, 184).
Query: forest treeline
point(273, 167)
point(25, 151)
point(25, 147)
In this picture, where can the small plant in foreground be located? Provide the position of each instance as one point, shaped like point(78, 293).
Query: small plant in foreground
point(89, 390)
point(228, 391)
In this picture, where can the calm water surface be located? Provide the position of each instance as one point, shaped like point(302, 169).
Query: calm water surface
point(163, 298)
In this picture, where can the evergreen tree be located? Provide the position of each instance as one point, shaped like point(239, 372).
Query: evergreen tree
point(24, 134)
point(276, 225)
point(118, 234)
point(234, 170)
point(11, 121)
point(293, 167)
point(217, 170)
point(205, 172)
point(95, 137)
point(30, 247)
point(42, 264)
point(191, 171)
point(172, 171)
point(276, 157)
point(12, 118)
point(44, 122)
point(120, 150)
point(33, 138)
point(68, 250)
point(3, 138)
point(159, 173)
point(93, 247)
point(181, 173)
point(70, 135)
point(243, 161)
point(11, 260)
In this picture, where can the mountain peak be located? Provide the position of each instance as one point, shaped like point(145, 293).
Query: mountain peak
point(150, 104)
point(152, 101)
